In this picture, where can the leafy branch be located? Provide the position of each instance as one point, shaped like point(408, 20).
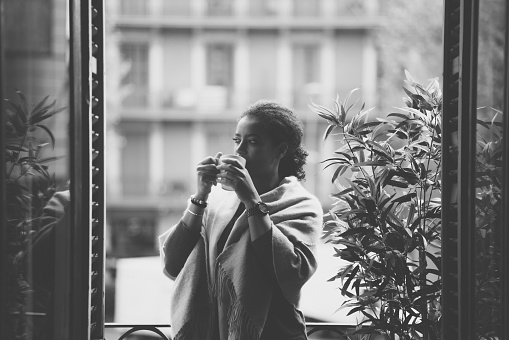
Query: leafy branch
point(385, 219)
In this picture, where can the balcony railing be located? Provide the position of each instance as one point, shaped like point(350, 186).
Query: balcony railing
point(337, 331)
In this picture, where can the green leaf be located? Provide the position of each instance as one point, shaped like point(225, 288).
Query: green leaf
point(339, 171)
point(343, 192)
point(324, 112)
point(328, 130)
point(40, 104)
point(46, 115)
point(17, 122)
point(400, 115)
point(405, 198)
point(356, 188)
point(50, 134)
point(356, 309)
point(350, 278)
point(436, 260)
point(371, 163)
point(349, 95)
point(397, 184)
point(345, 272)
point(343, 154)
point(24, 102)
point(49, 159)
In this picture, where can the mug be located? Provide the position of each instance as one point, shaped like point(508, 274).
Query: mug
point(225, 182)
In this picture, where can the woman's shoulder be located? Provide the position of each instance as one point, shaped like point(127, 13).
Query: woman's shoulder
point(294, 187)
point(291, 193)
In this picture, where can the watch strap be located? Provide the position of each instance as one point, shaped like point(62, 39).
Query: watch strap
point(255, 210)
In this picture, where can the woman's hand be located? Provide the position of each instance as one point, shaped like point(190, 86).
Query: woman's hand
point(239, 178)
point(207, 176)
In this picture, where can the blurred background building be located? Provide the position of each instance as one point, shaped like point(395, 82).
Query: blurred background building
point(187, 70)
point(182, 71)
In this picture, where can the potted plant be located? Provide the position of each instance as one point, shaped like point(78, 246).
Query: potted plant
point(29, 187)
point(385, 218)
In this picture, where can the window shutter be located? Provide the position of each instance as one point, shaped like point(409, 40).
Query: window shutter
point(458, 191)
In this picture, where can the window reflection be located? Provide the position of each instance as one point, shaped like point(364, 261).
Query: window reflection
point(489, 172)
point(36, 91)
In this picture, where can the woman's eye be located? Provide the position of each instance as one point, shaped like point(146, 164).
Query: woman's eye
point(236, 140)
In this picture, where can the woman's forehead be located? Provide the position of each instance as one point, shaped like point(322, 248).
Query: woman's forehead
point(249, 124)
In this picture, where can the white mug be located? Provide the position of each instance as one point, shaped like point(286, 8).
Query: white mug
point(225, 182)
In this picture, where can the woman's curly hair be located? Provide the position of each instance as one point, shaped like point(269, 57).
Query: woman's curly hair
point(283, 126)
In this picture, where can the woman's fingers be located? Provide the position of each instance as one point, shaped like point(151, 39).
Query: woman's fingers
point(230, 171)
point(231, 161)
point(207, 170)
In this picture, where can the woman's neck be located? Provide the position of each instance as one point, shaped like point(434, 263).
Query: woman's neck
point(266, 183)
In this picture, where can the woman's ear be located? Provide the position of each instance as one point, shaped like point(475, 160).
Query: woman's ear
point(282, 149)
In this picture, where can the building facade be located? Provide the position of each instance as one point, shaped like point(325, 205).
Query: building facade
point(193, 66)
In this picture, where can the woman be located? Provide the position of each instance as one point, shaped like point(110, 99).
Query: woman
point(239, 258)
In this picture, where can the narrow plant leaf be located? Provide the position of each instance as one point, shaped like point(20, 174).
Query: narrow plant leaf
point(352, 274)
point(49, 133)
point(24, 102)
point(40, 104)
point(328, 131)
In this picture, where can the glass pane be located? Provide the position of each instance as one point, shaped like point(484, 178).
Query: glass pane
point(489, 172)
point(36, 83)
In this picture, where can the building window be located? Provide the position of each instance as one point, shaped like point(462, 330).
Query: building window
point(219, 75)
point(306, 73)
point(352, 7)
point(306, 8)
point(136, 55)
point(134, 7)
point(263, 7)
point(219, 7)
point(135, 160)
point(176, 7)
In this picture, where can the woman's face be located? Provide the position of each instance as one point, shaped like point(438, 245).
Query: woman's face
point(254, 144)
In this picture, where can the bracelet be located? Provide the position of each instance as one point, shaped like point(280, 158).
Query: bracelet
point(200, 203)
point(195, 214)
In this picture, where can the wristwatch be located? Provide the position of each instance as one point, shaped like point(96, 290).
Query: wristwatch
point(259, 208)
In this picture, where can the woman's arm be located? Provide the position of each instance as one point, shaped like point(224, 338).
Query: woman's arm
point(178, 243)
point(288, 259)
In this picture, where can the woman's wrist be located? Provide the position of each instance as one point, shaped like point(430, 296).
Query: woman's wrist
point(251, 202)
point(193, 215)
point(200, 201)
point(201, 196)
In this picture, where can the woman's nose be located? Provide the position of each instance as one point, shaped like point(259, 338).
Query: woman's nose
point(240, 149)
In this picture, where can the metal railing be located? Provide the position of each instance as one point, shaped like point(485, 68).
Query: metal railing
point(338, 330)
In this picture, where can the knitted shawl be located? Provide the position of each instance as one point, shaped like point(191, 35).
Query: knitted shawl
point(233, 286)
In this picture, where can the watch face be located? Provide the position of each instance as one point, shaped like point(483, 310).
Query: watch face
point(263, 207)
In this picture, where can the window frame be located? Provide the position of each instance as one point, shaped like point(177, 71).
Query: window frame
point(461, 30)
